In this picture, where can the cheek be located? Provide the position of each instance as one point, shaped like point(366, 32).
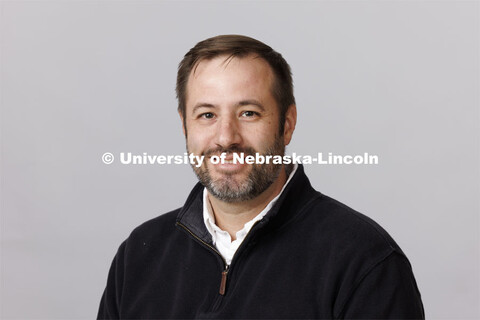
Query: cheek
point(259, 139)
point(196, 142)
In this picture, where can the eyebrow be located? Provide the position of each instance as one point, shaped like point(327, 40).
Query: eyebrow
point(251, 102)
point(239, 104)
point(202, 105)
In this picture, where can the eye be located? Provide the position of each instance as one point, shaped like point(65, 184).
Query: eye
point(249, 114)
point(207, 115)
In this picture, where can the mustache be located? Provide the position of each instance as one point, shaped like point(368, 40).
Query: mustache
point(228, 151)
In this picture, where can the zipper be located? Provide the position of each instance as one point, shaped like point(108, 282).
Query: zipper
point(223, 281)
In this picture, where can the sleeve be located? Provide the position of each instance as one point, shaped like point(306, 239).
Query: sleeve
point(387, 291)
point(111, 298)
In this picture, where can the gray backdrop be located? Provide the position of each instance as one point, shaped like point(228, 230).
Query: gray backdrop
point(399, 79)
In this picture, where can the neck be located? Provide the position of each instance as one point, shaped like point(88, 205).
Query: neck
point(232, 217)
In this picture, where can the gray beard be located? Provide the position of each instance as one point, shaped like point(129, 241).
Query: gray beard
point(229, 190)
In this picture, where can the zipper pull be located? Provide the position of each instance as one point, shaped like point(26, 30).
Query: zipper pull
point(223, 283)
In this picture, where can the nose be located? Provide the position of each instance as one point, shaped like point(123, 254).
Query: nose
point(228, 133)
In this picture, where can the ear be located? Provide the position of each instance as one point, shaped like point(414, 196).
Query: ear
point(183, 123)
point(290, 122)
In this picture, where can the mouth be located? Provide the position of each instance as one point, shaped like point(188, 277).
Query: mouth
point(229, 158)
point(227, 164)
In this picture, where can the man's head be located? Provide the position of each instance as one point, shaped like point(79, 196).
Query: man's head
point(238, 46)
point(233, 100)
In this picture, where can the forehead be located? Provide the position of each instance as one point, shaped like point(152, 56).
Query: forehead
point(232, 76)
point(226, 61)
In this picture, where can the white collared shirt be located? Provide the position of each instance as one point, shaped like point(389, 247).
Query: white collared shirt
point(221, 238)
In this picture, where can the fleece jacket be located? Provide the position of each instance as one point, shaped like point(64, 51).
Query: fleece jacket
point(310, 257)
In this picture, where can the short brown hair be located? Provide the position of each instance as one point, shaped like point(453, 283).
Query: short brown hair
point(238, 46)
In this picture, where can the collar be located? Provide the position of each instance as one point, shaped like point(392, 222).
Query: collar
point(297, 194)
point(209, 218)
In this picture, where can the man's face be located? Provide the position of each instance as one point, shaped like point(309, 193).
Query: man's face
point(230, 108)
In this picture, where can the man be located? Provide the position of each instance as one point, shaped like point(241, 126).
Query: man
point(253, 241)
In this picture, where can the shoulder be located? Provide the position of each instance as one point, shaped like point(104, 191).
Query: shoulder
point(155, 230)
point(351, 245)
point(348, 231)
